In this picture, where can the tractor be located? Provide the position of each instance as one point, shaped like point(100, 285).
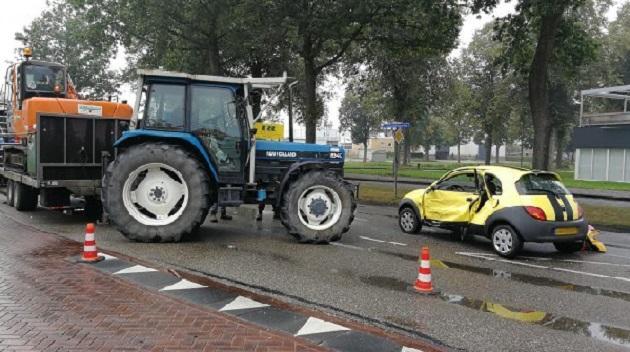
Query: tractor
point(192, 144)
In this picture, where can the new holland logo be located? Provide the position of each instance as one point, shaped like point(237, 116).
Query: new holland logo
point(280, 154)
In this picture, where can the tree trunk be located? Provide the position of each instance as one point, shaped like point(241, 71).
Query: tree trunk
point(497, 155)
point(559, 148)
point(310, 92)
point(488, 149)
point(538, 90)
point(365, 146)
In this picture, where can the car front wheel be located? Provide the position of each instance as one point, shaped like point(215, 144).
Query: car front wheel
point(408, 220)
point(505, 241)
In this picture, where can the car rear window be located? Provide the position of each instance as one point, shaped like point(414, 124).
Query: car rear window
point(540, 184)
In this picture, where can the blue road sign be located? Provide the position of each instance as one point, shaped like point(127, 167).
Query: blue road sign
point(395, 125)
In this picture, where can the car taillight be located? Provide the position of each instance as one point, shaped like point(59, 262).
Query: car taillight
point(536, 213)
point(580, 211)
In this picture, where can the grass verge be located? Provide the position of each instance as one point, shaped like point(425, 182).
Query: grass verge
point(604, 217)
point(435, 170)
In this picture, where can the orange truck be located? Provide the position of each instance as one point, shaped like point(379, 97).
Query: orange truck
point(53, 145)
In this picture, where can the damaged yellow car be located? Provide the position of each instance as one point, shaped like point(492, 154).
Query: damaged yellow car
point(508, 205)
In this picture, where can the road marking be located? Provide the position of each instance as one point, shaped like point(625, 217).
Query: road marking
point(381, 241)
point(347, 246)
point(107, 256)
point(183, 284)
point(371, 239)
point(490, 257)
point(409, 349)
point(590, 262)
point(135, 269)
point(241, 302)
point(318, 326)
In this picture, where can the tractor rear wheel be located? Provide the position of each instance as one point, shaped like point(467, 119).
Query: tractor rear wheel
point(156, 192)
point(318, 207)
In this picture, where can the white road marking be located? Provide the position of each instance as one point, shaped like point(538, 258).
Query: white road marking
point(371, 239)
point(590, 262)
point(409, 349)
point(397, 243)
point(347, 246)
point(183, 284)
point(317, 326)
point(241, 302)
point(107, 256)
point(135, 269)
point(489, 257)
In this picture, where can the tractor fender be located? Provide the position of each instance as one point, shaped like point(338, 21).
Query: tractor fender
point(294, 169)
point(183, 138)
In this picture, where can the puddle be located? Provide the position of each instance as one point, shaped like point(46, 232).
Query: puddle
point(611, 334)
point(541, 281)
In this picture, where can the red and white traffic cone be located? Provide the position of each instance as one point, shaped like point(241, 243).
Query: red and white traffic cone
point(423, 282)
point(90, 254)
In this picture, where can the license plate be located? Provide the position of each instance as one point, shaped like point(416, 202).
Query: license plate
point(566, 231)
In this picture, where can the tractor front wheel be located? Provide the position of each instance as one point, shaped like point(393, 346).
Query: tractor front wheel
point(318, 207)
point(156, 192)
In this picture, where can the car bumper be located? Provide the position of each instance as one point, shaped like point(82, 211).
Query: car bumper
point(532, 230)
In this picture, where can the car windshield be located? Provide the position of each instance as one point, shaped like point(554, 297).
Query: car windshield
point(43, 78)
point(543, 183)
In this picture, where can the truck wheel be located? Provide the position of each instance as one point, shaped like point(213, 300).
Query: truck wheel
point(24, 197)
point(505, 241)
point(318, 207)
point(11, 193)
point(156, 192)
point(568, 247)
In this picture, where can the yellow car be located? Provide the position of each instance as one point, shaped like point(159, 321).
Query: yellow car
point(508, 205)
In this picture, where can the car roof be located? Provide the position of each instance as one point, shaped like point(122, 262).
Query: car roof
point(503, 172)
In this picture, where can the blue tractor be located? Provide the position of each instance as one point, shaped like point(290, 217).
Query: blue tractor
point(192, 145)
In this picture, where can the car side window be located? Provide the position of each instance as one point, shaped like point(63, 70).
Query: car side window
point(464, 182)
point(494, 185)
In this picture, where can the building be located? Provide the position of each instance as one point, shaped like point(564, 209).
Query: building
point(602, 139)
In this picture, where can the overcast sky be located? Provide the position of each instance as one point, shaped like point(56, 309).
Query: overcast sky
point(17, 14)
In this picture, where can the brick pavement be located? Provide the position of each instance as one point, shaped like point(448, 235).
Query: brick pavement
point(48, 303)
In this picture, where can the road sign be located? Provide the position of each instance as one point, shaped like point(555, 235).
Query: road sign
point(396, 125)
point(399, 136)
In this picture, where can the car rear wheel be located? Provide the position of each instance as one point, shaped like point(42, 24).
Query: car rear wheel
point(505, 241)
point(408, 220)
point(568, 247)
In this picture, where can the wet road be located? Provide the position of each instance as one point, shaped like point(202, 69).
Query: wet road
point(541, 301)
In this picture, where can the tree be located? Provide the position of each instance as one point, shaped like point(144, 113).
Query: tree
point(539, 33)
point(63, 34)
point(457, 108)
point(361, 114)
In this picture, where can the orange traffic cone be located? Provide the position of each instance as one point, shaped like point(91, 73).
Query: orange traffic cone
point(90, 254)
point(423, 282)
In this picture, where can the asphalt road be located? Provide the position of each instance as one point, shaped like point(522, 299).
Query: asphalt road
point(541, 301)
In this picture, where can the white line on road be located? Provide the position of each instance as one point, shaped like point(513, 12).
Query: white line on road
point(397, 243)
point(490, 257)
point(371, 239)
point(347, 246)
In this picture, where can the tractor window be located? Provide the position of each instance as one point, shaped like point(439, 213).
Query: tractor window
point(165, 109)
point(213, 119)
point(464, 182)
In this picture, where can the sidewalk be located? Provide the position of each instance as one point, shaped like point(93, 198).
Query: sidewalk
point(578, 192)
point(48, 303)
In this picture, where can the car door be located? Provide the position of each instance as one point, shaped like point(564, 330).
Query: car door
point(451, 199)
